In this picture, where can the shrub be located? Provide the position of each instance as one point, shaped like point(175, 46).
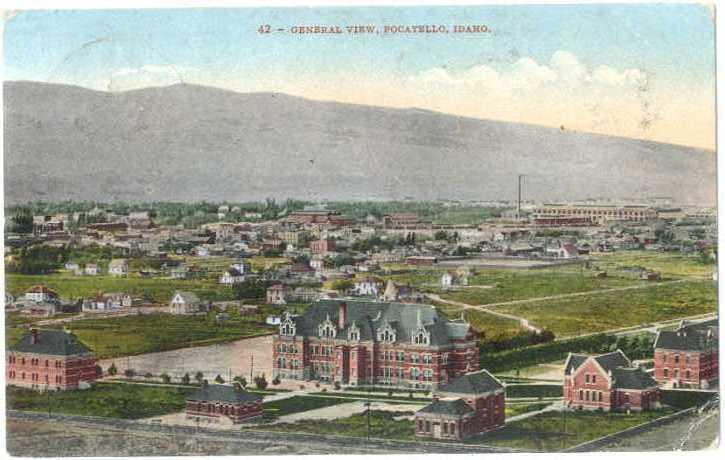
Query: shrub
point(166, 378)
point(112, 369)
point(241, 381)
point(219, 379)
point(276, 381)
point(260, 382)
point(129, 373)
point(99, 371)
point(199, 377)
point(186, 379)
point(148, 375)
point(337, 385)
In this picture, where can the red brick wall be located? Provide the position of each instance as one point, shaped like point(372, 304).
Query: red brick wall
point(57, 372)
point(584, 387)
point(685, 368)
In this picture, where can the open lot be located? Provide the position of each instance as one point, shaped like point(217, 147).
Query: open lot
point(668, 264)
point(242, 357)
point(612, 310)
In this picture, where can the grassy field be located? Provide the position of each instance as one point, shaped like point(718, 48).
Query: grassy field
point(131, 335)
point(533, 391)
point(152, 289)
point(103, 400)
point(670, 265)
point(382, 425)
point(491, 327)
point(552, 431)
point(508, 285)
point(276, 409)
point(612, 310)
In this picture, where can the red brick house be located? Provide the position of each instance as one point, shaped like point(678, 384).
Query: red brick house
point(50, 360)
point(357, 342)
point(688, 356)
point(471, 404)
point(213, 403)
point(322, 246)
point(608, 382)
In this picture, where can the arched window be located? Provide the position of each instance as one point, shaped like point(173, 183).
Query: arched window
point(353, 333)
point(421, 336)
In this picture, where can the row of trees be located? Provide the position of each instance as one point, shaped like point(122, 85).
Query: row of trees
point(260, 381)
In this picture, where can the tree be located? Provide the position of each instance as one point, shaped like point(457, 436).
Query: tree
point(99, 371)
point(276, 381)
point(166, 378)
point(148, 375)
point(241, 381)
point(112, 369)
point(219, 379)
point(22, 220)
point(130, 373)
point(186, 379)
point(260, 382)
point(199, 377)
point(440, 235)
point(342, 285)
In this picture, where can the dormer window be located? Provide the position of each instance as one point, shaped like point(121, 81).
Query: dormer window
point(287, 328)
point(386, 334)
point(327, 329)
point(420, 336)
point(353, 334)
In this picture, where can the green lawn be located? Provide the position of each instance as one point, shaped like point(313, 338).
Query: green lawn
point(552, 431)
point(152, 289)
point(518, 409)
point(382, 425)
point(103, 400)
point(533, 391)
point(131, 335)
point(373, 396)
point(613, 310)
point(275, 409)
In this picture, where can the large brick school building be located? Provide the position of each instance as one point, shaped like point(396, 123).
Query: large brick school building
point(374, 343)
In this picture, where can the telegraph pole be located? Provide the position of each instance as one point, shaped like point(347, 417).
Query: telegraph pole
point(518, 201)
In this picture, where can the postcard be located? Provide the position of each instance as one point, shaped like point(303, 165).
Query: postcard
point(365, 230)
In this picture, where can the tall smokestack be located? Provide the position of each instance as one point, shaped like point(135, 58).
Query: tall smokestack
point(342, 316)
point(518, 201)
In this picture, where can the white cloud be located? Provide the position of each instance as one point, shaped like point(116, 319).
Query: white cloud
point(564, 69)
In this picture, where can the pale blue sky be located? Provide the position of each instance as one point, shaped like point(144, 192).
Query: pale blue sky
point(672, 44)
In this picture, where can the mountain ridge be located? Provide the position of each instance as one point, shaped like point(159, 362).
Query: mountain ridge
point(70, 142)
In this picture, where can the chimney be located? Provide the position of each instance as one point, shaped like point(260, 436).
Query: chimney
point(342, 316)
point(34, 336)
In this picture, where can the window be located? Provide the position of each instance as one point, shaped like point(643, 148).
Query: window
point(420, 425)
point(586, 395)
point(594, 378)
point(445, 428)
point(687, 359)
point(453, 428)
point(427, 426)
point(666, 372)
point(413, 358)
point(687, 374)
point(626, 398)
point(581, 394)
point(677, 359)
point(586, 378)
point(427, 359)
point(428, 375)
point(600, 396)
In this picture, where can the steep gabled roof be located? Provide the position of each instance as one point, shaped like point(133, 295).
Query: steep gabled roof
point(474, 383)
point(369, 316)
point(456, 407)
point(610, 361)
point(573, 362)
point(690, 337)
point(51, 342)
point(632, 378)
point(223, 393)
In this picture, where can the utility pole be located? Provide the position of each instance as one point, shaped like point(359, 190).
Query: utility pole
point(251, 371)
